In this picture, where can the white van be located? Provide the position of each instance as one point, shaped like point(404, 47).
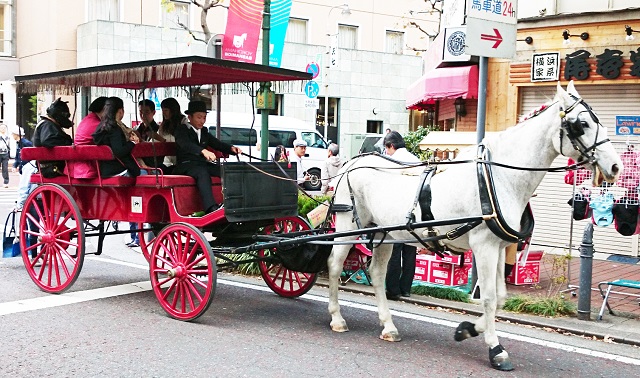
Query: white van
point(237, 130)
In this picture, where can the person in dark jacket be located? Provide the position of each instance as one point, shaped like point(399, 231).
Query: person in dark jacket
point(49, 133)
point(193, 157)
point(109, 133)
point(18, 135)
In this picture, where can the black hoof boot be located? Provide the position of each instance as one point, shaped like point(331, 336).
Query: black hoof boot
point(499, 358)
point(465, 330)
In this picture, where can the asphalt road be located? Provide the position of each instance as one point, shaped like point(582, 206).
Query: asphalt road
point(109, 324)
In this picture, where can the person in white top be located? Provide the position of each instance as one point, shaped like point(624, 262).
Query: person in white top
point(299, 150)
point(402, 264)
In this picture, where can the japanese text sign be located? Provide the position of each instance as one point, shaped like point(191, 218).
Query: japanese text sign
point(494, 10)
point(545, 67)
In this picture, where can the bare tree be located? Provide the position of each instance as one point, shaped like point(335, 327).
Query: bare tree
point(205, 6)
point(409, 20)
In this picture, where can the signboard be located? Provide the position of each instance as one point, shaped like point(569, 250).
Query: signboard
point(311, 89)
point(311, 103)
point(314, 69)
point(454, 45)
point(494, 10)
point(333, 52)
point(545, 67)
point(628, 125)
point(491, 28)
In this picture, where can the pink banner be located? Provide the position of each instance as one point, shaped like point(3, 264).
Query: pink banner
point(243, 30)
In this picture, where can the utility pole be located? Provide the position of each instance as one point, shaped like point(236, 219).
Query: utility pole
point(266, 26)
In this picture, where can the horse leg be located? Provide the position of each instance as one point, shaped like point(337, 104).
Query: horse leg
point(336, 262)
point(501, 286)
point(487, 259)
point(378, 271)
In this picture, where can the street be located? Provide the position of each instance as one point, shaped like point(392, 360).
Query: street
point(110, 324)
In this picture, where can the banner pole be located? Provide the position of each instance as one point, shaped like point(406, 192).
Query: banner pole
point(266, 25)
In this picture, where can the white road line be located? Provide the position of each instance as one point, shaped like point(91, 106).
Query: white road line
point(137, 287)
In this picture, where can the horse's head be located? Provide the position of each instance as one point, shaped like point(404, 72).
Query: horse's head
point(584, 138)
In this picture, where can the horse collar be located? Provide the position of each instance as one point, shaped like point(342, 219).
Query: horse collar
point(490, 207)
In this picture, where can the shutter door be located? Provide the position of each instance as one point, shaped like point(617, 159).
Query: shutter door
point(552, 213)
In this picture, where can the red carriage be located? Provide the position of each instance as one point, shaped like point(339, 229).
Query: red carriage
point(258, 198)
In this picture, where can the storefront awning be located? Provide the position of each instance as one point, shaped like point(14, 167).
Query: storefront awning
point(443, 83)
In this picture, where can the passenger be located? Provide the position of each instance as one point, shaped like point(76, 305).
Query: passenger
point(18, 135)
point(147, 128)
point(49, 133)
point(109, 133)
point(84, 136)
point(26, 169)
point(193, 157)
point(331, 167)
point(172, 117)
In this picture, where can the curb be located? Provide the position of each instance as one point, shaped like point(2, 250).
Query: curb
point(589, 329)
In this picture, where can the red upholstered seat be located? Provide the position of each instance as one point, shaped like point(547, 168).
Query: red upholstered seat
point(170, 180)
point(66, 180)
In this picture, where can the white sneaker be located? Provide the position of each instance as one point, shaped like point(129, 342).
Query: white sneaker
point(6, 185)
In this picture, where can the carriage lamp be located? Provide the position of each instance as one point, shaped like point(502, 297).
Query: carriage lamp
point(430, 110)
point(629, 31)
point(461, 109)
point(565, 34)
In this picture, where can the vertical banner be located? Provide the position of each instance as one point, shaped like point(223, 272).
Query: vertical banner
point(244, 20)
point(280, 10)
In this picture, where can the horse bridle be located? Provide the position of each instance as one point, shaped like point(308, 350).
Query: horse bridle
point(575, 129)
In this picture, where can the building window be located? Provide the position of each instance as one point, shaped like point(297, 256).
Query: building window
point(374, 127)
point(6, 28)
point(176, 13)
point(106, 10)
point(332, 113)
point(394, 42)
point(296, 31)
point(347, 37)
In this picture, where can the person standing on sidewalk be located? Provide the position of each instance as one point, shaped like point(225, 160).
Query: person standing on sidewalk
point(4, 154)
point(402, 264)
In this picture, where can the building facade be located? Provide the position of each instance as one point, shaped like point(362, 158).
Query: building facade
point(378, 56)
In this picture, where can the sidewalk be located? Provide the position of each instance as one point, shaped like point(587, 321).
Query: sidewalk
point(623, 327)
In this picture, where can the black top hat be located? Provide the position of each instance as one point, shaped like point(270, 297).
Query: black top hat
point(196, 106)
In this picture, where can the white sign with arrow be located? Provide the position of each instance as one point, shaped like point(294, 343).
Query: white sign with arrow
point(491, 31)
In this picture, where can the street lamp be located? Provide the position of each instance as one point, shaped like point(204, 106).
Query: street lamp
point(345, 12)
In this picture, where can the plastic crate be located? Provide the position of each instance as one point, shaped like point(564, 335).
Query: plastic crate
point(251, 193)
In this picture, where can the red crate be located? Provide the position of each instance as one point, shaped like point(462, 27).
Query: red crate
point(529, 273)
point(443, 273)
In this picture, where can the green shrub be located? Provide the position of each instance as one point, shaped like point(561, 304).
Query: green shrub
point(412, 142)
point(447, 293)
point(544, 306)
point(306, 204)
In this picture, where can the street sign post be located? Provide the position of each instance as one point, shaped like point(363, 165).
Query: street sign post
point(491, 28)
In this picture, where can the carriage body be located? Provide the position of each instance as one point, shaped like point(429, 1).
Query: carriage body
point(259, 198)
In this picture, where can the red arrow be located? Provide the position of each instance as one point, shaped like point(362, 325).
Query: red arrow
point(497, 38)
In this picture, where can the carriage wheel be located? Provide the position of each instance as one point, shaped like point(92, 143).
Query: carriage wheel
point(52, 240)
point(183, 271)
point(282, 281)
point(147, 246)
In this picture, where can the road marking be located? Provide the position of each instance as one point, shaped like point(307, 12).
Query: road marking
point(137, 287)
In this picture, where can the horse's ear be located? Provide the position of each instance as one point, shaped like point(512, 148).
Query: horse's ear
point(571, 89)
point(562, 96)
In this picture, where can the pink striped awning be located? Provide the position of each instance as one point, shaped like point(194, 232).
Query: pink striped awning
point(443, 83)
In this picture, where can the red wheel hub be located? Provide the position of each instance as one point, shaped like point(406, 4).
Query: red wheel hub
point(48, 237)
point(178, 272)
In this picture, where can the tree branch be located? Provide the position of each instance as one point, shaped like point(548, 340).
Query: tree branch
point(415, 25)
point(190, 32)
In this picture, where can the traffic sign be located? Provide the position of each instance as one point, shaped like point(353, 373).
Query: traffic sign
point(490, 38)
point(314, 69)
point(311, 89)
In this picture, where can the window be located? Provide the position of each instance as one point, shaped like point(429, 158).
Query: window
point(107, 10)
point(236, 136)
point(296, 31)
point(6, 28)
point(176, 13)
point(284, 138)
point(347, 37)
point(374, 127)
point(313, 140)
point(394, 42)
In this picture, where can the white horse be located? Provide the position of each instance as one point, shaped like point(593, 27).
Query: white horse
point(384, 196)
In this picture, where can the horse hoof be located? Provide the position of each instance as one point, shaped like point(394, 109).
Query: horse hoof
point(393, 336)
point(339, 327)
point(499, 358)
point(465, 330)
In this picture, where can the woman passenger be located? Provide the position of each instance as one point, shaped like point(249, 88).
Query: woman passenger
point(171, 118)
point(109, 133)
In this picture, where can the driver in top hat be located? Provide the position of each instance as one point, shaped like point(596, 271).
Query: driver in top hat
point(193, 157)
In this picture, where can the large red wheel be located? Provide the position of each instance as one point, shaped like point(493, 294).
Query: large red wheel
point(52, 240)
point(148, 239)
point(183, 271)
point(282, 281)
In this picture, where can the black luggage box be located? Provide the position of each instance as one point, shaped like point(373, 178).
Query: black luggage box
point(250, 193)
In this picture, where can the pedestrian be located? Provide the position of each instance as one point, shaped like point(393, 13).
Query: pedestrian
point(299, 150)
point(193, 157)
point(402, 264)
point(331, 167)
point(380, 143)
point(4, 154)
point(50, 133)
point(21, 142)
